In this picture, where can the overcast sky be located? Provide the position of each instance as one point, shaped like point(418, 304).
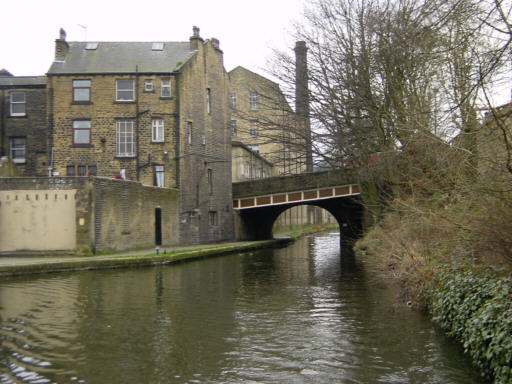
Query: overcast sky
point(247, 30)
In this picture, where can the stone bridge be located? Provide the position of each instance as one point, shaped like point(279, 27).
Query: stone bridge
point(260, 202)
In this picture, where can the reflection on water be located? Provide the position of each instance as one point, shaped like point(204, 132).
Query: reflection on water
point(301, 314)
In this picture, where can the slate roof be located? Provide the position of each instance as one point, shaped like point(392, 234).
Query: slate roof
point(22, 81)
point(122, 57)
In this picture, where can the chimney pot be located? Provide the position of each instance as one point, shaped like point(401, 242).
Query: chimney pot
point(62, 34)
point(195, 31)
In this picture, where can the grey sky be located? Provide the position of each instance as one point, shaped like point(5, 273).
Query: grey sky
point(247, 30)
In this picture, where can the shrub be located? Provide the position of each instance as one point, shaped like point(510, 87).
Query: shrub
point(477, 310)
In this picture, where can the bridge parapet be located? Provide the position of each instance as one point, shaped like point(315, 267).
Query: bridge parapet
point(298, 182)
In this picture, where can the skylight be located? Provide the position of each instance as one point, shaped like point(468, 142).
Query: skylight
point(157, 47)
point(91, 46)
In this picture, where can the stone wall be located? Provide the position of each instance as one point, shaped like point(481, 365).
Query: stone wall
point(103, 111)
point(124, 214)
point(32, 126)
point(204, 156)
point(82, 213)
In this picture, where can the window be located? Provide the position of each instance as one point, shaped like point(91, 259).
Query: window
point(125, 138)
point(233, 128)
point(157, 134)
point(212, 218)
point(18, 149)
point(189, 132)
point(255, 148)
point(81, 90)
point(81, 170)
point(232, 100)
point(253, 101)
point(148, 85)
point(165, 88)
point(159, 175)
point(210, 181)
point(208, 100)
point(81, 132)
point(253, 129)
point(246, 169)
point(18, 104)
point(125, 90)
point(157, 46)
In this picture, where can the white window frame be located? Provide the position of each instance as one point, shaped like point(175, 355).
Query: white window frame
point(132, 90)
point(81, 125)
point(159, 171)
point(14, 148)
point(148, 85)
point(18, 103)
point(253, 101)
point(125, 138)
point(157, 130)
point(165, 84)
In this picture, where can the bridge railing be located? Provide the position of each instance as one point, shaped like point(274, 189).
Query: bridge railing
point(301, 181)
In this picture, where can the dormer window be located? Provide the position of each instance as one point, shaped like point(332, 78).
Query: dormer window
point(157, 47)
point(91, 46)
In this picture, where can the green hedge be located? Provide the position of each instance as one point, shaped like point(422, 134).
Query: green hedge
point(477, 310)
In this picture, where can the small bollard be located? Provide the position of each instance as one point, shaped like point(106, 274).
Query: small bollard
point(157, 250)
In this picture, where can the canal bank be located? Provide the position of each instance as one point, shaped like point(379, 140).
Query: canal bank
point(26, 265)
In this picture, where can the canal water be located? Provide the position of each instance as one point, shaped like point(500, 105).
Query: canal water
point(300, 314)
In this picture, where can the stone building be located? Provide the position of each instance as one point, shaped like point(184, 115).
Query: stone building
point(151, 112)
point(248, 165)
point(23, 128)
point(263, 120)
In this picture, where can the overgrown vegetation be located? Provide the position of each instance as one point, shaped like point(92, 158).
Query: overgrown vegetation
point(406, 80)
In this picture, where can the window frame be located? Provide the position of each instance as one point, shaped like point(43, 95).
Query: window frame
point(166, 87)
point(75, 88)
point(232, 100)
point(189, 132)
point(157, 131)
point(77, 129)
point(159, 176)
point(128, 126)
point(210, 181)
point(148, 85)
point(14, 148)
point(234, 130)
point(213, 219)
point(253, 100)
point(132, 90)
point(253, 128)
point(12, 103)
point(208, 100)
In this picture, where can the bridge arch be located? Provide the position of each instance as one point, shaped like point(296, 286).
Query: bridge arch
point(257, 223)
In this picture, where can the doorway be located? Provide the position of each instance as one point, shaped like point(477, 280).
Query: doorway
point(158, 226)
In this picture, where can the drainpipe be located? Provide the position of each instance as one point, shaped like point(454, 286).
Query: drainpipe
point(177, 136)
point(50, 125)
point(137, 170)
point(2, 124)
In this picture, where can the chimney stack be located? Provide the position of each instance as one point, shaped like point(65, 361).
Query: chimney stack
point(61, 46)
point(195, 39)
point(215, 43)
point(302, 99)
